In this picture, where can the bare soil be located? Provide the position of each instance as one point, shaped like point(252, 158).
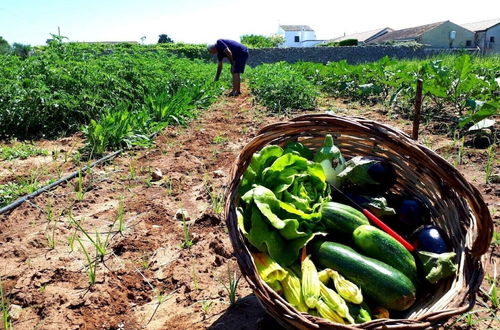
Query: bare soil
point(148, 278)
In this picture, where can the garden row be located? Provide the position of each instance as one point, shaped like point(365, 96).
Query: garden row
point(123, 96)
point(468, 86)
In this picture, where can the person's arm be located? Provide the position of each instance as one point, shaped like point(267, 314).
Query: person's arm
point(229, 55)
point(219, 70)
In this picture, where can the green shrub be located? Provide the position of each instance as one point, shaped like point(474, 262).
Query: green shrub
point(348, 42)
point(258, 41)
point(279, 87)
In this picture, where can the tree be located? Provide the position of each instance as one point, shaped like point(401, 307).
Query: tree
point(4, 46)
point(165, 39)
point(259, 41)
point(21, 50)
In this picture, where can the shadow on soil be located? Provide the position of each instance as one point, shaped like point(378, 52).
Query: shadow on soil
point(246, 313)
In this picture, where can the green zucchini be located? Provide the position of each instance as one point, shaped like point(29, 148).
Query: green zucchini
point(341, 218)
point(377, 244)
point(378, 281)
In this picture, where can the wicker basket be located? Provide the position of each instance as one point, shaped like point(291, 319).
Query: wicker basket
point(455, 206)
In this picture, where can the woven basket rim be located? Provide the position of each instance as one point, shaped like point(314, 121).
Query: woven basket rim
point(303, 125)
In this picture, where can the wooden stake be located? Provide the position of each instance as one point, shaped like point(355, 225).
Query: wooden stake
point(418, 107)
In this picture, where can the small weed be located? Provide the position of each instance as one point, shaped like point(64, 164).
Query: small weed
point(51, 235)
point(79, 189)
point(232, 285)
point(187, 243)
point(490, 162)
point(120, 216)
point(205, 305)
point(72, 237)
point(145, 262)
point(91, 264)
point(220, 139)
point(195, 277)
point(496, 238)
point(4, 307)
point(216, 195)
point(100, 246)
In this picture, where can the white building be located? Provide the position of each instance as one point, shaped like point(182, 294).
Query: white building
point(298, 35)
point(487, 35)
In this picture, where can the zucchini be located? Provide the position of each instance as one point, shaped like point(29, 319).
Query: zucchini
point(341, 218)
point(382, 283)
point(377, 244)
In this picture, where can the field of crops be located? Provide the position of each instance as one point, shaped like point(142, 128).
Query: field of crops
point(140, 241)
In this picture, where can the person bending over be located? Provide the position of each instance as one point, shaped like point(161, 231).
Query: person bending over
point(237, 54)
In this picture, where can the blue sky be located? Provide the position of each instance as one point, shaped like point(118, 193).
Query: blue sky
point(204, 21)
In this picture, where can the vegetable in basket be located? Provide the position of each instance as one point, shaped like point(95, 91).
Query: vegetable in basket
point(310, 283)
point(292, 290)
point(437, 266)
point(341, 219)
point(367, 174)
point(360, 313)
point(346, 289)
point(377, 244)
point(331, 160)
point(378, 281)
point(431, 239)
point(269, 270)
point(375, 204)
point(281, 196)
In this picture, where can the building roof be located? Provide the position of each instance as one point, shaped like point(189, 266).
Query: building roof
point(407, 34)
point(365, 36)
point(482, 25)
point(296, 28)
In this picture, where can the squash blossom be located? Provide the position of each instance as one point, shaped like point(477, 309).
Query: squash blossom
point(335, 302)
point(269, 270)
point(346, 289)
point(310, 283)
point(326, 312)
point(293, 291)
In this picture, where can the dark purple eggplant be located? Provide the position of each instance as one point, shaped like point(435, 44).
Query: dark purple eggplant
point(367, 174)
point(410, 214)
point(431, 239)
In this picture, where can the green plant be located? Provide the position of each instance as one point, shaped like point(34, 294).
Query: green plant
point(195, 277)
point(21, 151)
point(11, 191)
point(4, 308)
point(101, 247)
point(91, 264)
point(187, 243)
point(259, 41)
point(120, 216)
point(205, 305)
point(220, 139)
point(491, 152)
point(232, 285)
point(116, 129)
point(216, 195)
point(79, 187)
point(280, 87)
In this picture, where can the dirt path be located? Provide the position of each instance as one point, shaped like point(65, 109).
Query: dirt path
point(148, 278)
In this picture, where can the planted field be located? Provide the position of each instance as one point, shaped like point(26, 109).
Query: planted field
point(140, 241)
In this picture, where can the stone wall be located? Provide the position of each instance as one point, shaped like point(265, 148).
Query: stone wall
point(353, 54)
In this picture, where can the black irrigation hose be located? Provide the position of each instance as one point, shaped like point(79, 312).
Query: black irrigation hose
point(68, 177)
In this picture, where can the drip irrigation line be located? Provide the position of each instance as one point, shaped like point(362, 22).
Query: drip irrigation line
point(68, 177)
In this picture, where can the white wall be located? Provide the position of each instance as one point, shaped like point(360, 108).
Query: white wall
point(303, 35)
point(491, 47)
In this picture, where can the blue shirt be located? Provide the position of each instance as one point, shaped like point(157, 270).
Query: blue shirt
point(235, 47)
